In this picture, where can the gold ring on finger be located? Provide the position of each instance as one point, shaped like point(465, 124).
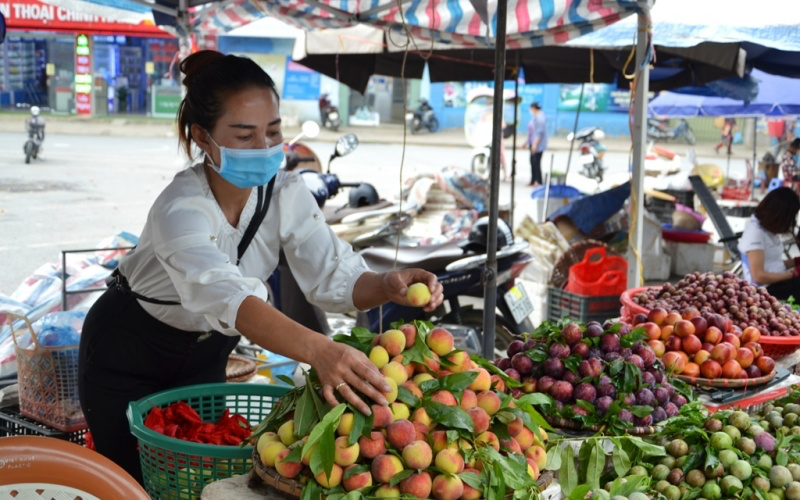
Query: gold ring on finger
point(340, 385)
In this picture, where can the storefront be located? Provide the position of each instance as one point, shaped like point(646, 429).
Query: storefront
point(76, 62)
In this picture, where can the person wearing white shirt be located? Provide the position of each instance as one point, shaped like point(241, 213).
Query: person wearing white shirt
point(762, 247)
point(195, 282)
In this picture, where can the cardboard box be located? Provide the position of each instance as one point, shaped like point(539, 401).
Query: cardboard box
point(690, 257)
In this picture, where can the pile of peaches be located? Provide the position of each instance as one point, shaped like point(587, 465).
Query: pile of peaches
point(707, 345)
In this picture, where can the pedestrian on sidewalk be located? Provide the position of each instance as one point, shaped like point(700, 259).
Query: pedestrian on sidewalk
point(728, 126)
point(537, 142)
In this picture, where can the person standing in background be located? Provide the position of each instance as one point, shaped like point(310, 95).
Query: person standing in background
point(727, 134)
point(537, 142)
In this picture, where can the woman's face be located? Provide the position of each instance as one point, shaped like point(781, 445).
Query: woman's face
point(251, 119)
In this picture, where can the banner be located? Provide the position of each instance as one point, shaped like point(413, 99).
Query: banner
point(300, 83)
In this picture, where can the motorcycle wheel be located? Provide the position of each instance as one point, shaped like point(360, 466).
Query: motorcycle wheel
point(433, 124)
point(415, 125)
point(690, 138)
point(480, 166)
point(28, 151)
point(502, 328)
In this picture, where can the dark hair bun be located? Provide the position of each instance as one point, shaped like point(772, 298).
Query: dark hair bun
point(197, 62)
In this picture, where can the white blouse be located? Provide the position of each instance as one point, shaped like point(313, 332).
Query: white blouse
point(187, 253)
point(755, 237)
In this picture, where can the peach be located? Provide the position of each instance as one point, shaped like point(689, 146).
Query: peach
point(489, 401)
point(376, 340)
point(690, 312)
point(400, 411)
point(745, 357)
point(525, 438)
point(356, 481)
point(308, 454)
point(444, 397)
point(286, 432)
point(418, 294)
point(443, 373)
point(345, 424)
point(440, 341)
point(460, 361)
point(431, 364)
point(385, 467)
point(267, 437)
point(287, 469)
point(713, 335)
point(658, 347)
point(529, 385)
point(270, 451)
point(652, 330)
point(421, 416)
point(418, 455)
point(469, 399)
point(407, 366)
point(480, 419)
point(410, 331)
point(422, 431)
point(691, 344)
point(386, 491)
point(710, 369)
point(701, 356)
point(488, 438)
point(417, 485)
point(447, 487)
point(751, 334)
point(538, 455)
point(498, 383)
point(395, 371)
point(731, 369)
point(673, 344)
point(381, 416)
point(373, 445)
point(674, 362)
point(330, 481)
point(413, 388)
point(515, 427)
point(667, 331)
point(378, 356)
point(765, 364)
point(422, 377)
point(708, 346)
point(540, 442)
point(672, 318)
point(691, 370)
point(394, 341)
point(723, 352)
point(657, 315)
point(400, 433)
point(471, 493)
point(758, 351)
point(450, 461)
point(391, 396)
point(438, 441)
point(533, 469)
point(732, 339)
point(684, 328)
point(511, 445)
point(483, 382)
point(344, 454)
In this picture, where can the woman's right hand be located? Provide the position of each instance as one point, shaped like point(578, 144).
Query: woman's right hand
point(337, 363)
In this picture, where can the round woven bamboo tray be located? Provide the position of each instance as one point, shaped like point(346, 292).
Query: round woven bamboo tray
point(239, 368)
point(572, 256)
point(734, 383)
point(294, 488)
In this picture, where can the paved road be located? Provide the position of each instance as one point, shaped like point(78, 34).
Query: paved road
point(86, 188)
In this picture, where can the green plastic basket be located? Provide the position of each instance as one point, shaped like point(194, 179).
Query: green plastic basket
point(174, 469)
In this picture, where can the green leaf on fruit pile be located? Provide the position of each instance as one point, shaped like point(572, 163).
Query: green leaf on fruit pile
point(311, 491)
point(305, 415)
point(400, 476)
point(449, 416)
point(501, 482)
point(633, 337)
point(614, 328)
point(323, 461)
point(457, 382)
point(615, 367)
point(471, 479)
point(491, 368)
point(404, 395)
point(513, 468)
point(650, 450)
point(572, 362)
point(322, 407)
point(355, 344)
point(428, 386)
point(782, 458)
point(631, 378)
point(641, 410)
point(294, 456)
point(695, 461)
point(359, 422)
point(286, 380)
point(395, 325)
point(452, 436)
point(538, 354)
point(362, 335)
point(505, 416)
point(535, 398)
point(584, 452)
point(554, 457)
point(328, 424)
point(693, 493)
point(567, 475)
point(418, 352)
point(279, 413)
point(589, 407)
point(579, 493)
point(358, 469)
point(711, 458)
point(624, 486)
point(501, 431)
point(620, 459)
point(423, 327)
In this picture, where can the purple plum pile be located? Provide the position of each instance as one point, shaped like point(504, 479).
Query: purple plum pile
point(597, 374)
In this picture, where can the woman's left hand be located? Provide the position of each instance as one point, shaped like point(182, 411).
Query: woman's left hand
point(396, 283)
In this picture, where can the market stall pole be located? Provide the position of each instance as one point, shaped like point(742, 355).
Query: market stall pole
point(643, 38)
point(490, 271)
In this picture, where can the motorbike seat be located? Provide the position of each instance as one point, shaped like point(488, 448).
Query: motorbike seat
point(431, 258)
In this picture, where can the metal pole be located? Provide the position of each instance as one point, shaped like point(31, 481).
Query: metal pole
point(574, 132)
point(514, 144)
point(752, 185)
point(489, 277)
point(543, 215)
point(639, 138)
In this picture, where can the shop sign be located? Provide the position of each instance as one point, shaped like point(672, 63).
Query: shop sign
point(166, 100)
point(40, 16)
point(83, 75)
point(300, 83)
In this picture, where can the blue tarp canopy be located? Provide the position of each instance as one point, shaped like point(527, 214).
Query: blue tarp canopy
point(777, 96)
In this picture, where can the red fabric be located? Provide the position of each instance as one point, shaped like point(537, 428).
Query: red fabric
point(181, 421)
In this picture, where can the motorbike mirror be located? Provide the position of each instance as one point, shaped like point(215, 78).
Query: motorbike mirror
point(310, 129)
point(570, 136)
point(346, 144)
point(599, 134)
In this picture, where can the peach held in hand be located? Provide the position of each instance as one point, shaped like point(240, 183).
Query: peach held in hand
point(418, 294)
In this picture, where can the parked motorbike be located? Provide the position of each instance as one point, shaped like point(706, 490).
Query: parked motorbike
point(422, 117)
point(592, 152)
point(658, 129)
point(35, 126)
point(329, 114)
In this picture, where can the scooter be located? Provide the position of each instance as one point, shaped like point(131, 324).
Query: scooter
point(329, 114)
point(592, 152)
point(35, 126)
point(422, 117)
point(658, 129)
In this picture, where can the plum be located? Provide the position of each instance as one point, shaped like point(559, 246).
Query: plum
point(559, 351)
point(633, 359)
point(594, 330)
point(590, 367)
point(562, 391)
point(678, 400)
point(602, 404)
point(604, 379)
point(648, 379)
point(671, 410)
point(580, 349)
point(625, 415)
point(511, 372)
point(572, 334)
point(553, 367)
point(658, 374)
point(503, 364)
point(571, 377)
point(658, 415)
point(579, 411)
point(669, 388)
point(661, 395)
point(610, 357)
point(765, 441)
point(626, 352)
point(530, 345)
point(607, 390)
point(647, 355)
point(609, 342)
point(630, 399)
point(595, 352)
point(645, 397)
point(643, 421)
point(545, 383)
point(586, 392)
point(514, 347)
point(522, 363)
point(624, 329)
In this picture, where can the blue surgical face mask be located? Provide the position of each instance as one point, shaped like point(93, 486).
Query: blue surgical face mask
point(246, 168)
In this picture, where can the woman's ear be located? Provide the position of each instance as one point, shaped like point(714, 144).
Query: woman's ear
point(201, 138)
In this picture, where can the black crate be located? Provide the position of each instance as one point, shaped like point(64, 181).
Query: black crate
point(13, 423)
point(685, 198)
point(561, 303)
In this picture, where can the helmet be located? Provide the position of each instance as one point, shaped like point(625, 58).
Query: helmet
point(363, 196)
point(478, 236)
point(35, 110)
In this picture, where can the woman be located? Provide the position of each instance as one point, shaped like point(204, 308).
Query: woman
point(195, 281)
point(728, 126)
point(761, 244)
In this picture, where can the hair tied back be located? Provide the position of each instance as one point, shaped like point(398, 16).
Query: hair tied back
point(196, 63)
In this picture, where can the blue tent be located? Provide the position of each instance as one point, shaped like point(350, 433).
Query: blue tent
point(777, 96)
